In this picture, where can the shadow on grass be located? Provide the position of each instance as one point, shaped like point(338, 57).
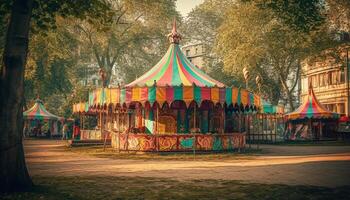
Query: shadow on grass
point(96, 187)
point(97, 151)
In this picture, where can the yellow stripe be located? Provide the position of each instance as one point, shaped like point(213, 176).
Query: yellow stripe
point(183, 78)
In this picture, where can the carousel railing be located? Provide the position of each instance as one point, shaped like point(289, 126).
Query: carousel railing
point(177, 142)
point(94, 134)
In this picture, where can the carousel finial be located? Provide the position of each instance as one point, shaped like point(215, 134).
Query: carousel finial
point(310, 87)
point(174, 36)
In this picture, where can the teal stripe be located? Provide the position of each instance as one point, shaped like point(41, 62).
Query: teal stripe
point(251, 98)
point(149, 122)
point(190, 69)
point(178, 93)
point(122, 95)
point(217, 144)
point(175, 79)
point(152, 94)
point(197, 94)
point(86, 107)
point(228, 97)
point(310, 110)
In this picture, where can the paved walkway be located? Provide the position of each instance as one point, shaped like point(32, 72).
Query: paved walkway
point(293, 165)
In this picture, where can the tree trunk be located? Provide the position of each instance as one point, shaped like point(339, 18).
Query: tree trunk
point(13, 171)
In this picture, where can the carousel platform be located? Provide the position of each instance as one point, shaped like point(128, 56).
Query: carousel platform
point(78, 143)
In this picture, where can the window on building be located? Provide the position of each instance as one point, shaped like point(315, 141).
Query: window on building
point(332, 78)
point(196, 50)
point(187, 52)
point(331, 107)
point(315, 81)
point(341, 108)
point(342, 76)
point(322, 82)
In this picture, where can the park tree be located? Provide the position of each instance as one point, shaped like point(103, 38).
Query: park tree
point(202, 25)
point(133, 39)
point(19, 17)
point(258, 39)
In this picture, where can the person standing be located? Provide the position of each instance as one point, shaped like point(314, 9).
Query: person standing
point(64, 131)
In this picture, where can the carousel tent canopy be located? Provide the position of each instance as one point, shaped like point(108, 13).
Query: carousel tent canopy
point(174, 78)
point(174, 69)
point(311, 109)
point(39, 112)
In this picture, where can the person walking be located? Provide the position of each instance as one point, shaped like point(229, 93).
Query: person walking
point(64, 132)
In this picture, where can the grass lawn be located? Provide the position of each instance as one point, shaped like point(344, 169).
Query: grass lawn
point(65, 188)
point(97, 151)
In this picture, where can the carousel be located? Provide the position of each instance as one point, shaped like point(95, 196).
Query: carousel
point(311, 121)
point(36, 117)
point(173, 107)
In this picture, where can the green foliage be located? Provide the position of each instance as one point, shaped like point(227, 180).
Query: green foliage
point(299, 15)
point(132, 42)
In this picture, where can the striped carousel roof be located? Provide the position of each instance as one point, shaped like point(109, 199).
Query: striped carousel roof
point(174, 69)
point(39, 112)
point(311, 108)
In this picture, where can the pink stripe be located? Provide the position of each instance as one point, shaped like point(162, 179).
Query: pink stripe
point(222, 95)
point(128, 95)
point(144, 94)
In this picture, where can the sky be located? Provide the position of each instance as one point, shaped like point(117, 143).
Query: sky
point(185, 6)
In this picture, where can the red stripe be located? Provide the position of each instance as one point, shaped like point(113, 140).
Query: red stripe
point(169, 94)
point(205, 93)
point(167, 76)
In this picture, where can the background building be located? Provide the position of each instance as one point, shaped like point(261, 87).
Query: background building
point(329, 79)
point(195, 54)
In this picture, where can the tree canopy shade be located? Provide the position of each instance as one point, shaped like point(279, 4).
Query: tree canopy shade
point(13, 171)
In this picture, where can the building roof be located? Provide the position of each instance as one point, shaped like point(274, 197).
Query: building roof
point(174, 69)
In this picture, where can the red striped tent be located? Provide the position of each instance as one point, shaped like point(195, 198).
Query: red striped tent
point(39, 112)
point(311, 109)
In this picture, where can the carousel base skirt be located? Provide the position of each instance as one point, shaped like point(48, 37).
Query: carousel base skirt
point(178, 142)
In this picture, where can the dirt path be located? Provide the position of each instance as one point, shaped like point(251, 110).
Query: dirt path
point(293, 165)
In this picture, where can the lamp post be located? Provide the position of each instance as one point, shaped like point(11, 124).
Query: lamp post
point(348, 80)
point(102, 74)
point(258, 83)
point(246, 76)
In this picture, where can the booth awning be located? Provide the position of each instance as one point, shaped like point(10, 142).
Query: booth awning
point(39, 112)
point(311, 109)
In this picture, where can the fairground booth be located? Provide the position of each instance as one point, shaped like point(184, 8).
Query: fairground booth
point(173, 107)
point(311, 121)
point(40, 122)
